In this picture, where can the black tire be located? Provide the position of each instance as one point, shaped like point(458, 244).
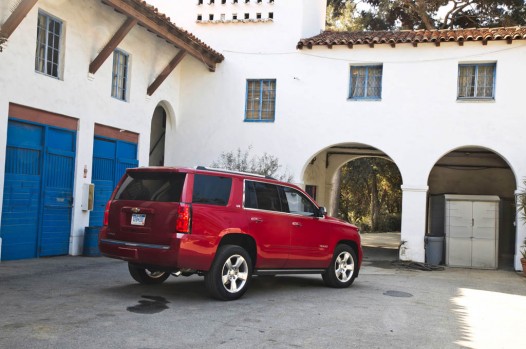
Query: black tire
point(230, 273)
point(343, 268)
point(147, 276)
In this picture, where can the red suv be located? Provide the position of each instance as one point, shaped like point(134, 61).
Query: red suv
point(226, 226)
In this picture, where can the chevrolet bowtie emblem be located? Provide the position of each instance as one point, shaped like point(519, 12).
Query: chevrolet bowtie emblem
point(136, 210)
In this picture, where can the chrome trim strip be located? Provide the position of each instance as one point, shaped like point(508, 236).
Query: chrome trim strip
point(134, 244)
point(287, 271)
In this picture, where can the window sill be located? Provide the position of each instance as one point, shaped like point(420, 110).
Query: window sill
point(364, 99)
point(476, 100)
point(118, 99)
point(49, 75)
point(264, 121)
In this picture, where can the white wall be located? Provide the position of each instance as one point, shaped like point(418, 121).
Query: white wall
point(293, 19)
point(417, 121)
point(88, 25)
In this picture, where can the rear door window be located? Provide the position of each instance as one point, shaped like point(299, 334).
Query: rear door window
point(262, 196)
point(152, 186)
point(212, 190)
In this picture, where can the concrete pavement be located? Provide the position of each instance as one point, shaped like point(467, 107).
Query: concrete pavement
point(92, 302)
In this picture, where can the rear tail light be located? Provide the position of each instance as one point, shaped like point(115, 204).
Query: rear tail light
point(184, 218)
point(106, 214)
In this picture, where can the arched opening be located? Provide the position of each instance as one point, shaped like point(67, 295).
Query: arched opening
point(158, 137)
point(472, 206)
point(361, 184)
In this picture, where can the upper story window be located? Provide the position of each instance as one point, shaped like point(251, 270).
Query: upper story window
point(49, 35)
point(119, 86)
point(476, 81)
point(261, 100)
point(366, 82)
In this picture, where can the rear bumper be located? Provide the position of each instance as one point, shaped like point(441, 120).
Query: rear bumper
point(148, 254)
point(185, 251)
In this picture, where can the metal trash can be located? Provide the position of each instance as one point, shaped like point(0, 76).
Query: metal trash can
point(91, 242)
point(434, 246)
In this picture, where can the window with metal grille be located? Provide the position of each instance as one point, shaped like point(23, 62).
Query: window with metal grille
point(261, 100)
point(119, 86)
point(476, 81)
point(366, 82)
point(49, 32)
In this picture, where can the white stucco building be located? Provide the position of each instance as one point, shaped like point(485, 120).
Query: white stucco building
point(445, 106)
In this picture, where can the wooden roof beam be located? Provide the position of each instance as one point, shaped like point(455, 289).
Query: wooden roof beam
point(162, 31)
point(112, 44)
point(16, 17)
point(166, 71)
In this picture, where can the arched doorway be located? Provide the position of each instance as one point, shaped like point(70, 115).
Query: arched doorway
point(472, 204)
point(158, 137)
point(350, 179)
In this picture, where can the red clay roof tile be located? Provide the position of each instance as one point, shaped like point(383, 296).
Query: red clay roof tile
point(330, 38)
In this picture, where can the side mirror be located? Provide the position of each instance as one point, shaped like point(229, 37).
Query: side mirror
point(322, 212)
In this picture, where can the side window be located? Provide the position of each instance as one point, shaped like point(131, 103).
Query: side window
point(262, 196)
point(212, 190)
point(298, 203)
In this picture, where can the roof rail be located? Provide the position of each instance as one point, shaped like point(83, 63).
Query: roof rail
point(213, 169)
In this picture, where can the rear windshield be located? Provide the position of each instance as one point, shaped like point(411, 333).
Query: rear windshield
point(152, 186)
point(211, 190)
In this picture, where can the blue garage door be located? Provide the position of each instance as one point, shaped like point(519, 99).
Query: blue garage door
point(36, 214)
point(111, 158)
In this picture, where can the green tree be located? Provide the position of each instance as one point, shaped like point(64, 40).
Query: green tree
point(370, 193)
point(245, 161)
point(430, 14)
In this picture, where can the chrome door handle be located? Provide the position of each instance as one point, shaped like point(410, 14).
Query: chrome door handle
point(296, 224)
point(256, 219)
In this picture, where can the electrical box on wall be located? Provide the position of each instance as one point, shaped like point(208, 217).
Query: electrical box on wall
point(88, 194)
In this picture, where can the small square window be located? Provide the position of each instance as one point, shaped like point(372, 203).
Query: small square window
point(211, 2)
point(476, 81)
point(223, 17)
point(211, 17)
point(366, 82)
point(247, 1)
point(258, 15)
point(260, 104)
point(199, 2)
point(223, 2)
point(234, 16)
point(199, 17)
point(247, 16)
point(271, 15)
point(260, 1)
point(234, 1)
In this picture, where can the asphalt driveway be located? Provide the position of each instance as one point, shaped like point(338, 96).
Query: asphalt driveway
point(92, 302)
